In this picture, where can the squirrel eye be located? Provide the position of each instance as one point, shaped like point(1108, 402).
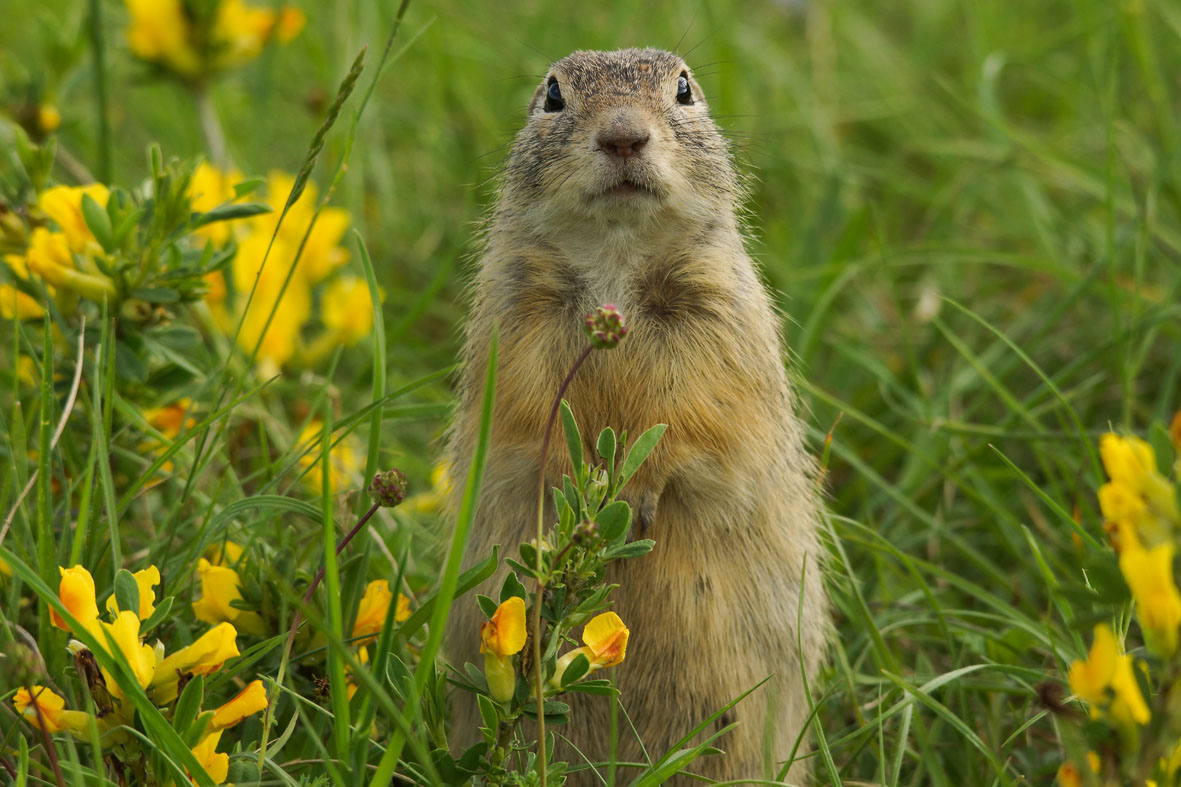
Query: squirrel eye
point(684, 94)
point(553, 97)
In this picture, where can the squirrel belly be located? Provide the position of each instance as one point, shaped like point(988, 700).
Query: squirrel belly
point(621, 189)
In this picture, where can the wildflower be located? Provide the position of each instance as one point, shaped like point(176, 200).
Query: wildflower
point(345, 462)
point(63, 204)
point(351, 685)
point(1068, 775)
point(203, 657)
point(17, 305)
point(1149, 574)
point(141, 658)
point(224, 553)
point(220, 588)
point(1105, 679)
point(500, 639)
point(247, 702)
point(1137, 492)
point(322, 254)
point(216, 764)
point(347, 310)
point(388, 488)
point(209, 188)
point(606, 645)
point(52, 706)
point(49, 257)
point(605, 327)
point(292, 306)
point(76, 591)
point(374, 607)
point(159, 32)
point(146, 580)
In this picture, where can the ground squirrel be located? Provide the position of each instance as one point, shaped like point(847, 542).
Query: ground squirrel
point(620, 189)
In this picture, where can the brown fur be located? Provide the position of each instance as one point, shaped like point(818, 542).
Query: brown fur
point(730, 493)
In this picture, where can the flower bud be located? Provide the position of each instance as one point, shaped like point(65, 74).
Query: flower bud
point(605, 327)
point(388, 488)
point(586, 533)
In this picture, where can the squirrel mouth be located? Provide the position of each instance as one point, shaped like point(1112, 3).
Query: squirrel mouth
point(626, 187)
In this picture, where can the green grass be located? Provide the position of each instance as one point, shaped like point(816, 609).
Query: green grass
point(970, 211)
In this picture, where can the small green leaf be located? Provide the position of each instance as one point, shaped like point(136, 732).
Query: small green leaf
point(512, 587)
point(606, 446)
point(98, 221)
point(487, 605)
point(128, 364)
point(573, 438)
point(229, 211)
point(188, 705)
point(488, 713)
point(614, 520)
point(639, 452)
point(633, 549)
point(599, 687)
point(156, 294)
point(126, 591)
point(247, 187)
point(159, 614)
point(576, 669)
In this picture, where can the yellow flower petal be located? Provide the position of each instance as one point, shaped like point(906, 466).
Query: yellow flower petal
point(140, 657)
point(1090, 678)
point(250, 700)
point(203, 657)
point(63, 204)
point(217, 765)
point(220, 587)
point(347, 309)
point(372, 610)
point(17, 305)
point(505, 634)
point(76, 592)
point(147, 579)
point(53, 711)
point(1149, 574)
point(606, 635)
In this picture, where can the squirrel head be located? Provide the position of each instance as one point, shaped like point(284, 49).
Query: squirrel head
point(619, 142)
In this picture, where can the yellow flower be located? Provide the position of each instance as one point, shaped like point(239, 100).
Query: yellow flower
point(124, 632)
point(606, 645)
point(351, 685)
point(292, 306)
point(48, 118)
point(220, 587)
point(1131, 465)
point(500, 639)
point(63, 204)
point(1149, 574)
point(347, 463)
point(160, 32)
point(224, 553)
point(216, 765)
point(146, 579)
point(248, 701)
point(347, 309)
point(209, 188)
point(323, 253)
point(76, 591)
point(17, 305)
point(49, 257)
point(203, 657)
point(1106, 679)
point(53, 711)
point(373, 608)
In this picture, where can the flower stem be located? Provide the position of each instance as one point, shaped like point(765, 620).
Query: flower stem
point(215, 138)
point(539, 676)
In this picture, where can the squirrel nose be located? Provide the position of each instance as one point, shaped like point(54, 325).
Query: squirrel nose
point(622, 142)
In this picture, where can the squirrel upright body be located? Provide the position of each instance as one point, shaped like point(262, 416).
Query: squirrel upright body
point(620, 189)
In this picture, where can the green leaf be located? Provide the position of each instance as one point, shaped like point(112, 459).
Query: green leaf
point(600, 687)
point(159, 615)
point(627, 551)
point(606, 447)
point(488, 713)
point(229, 211)
point(487, 605)
point(614, 520)
point(639, 452)
point(188, 705)
point(247, 187)
point(128, 364)
point(573, 438)
point(126, 591)
point(576, 669)
point(98, 221)
point(156, 294)
point(512, 587)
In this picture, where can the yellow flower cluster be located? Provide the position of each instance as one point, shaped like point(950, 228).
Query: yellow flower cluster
point(157, 674)
point(1140, 506)
point(345, 307)
point(195, 40)
point(63, 260)
point(372, 611)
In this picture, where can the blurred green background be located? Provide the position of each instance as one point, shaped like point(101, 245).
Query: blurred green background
point(968, 211)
